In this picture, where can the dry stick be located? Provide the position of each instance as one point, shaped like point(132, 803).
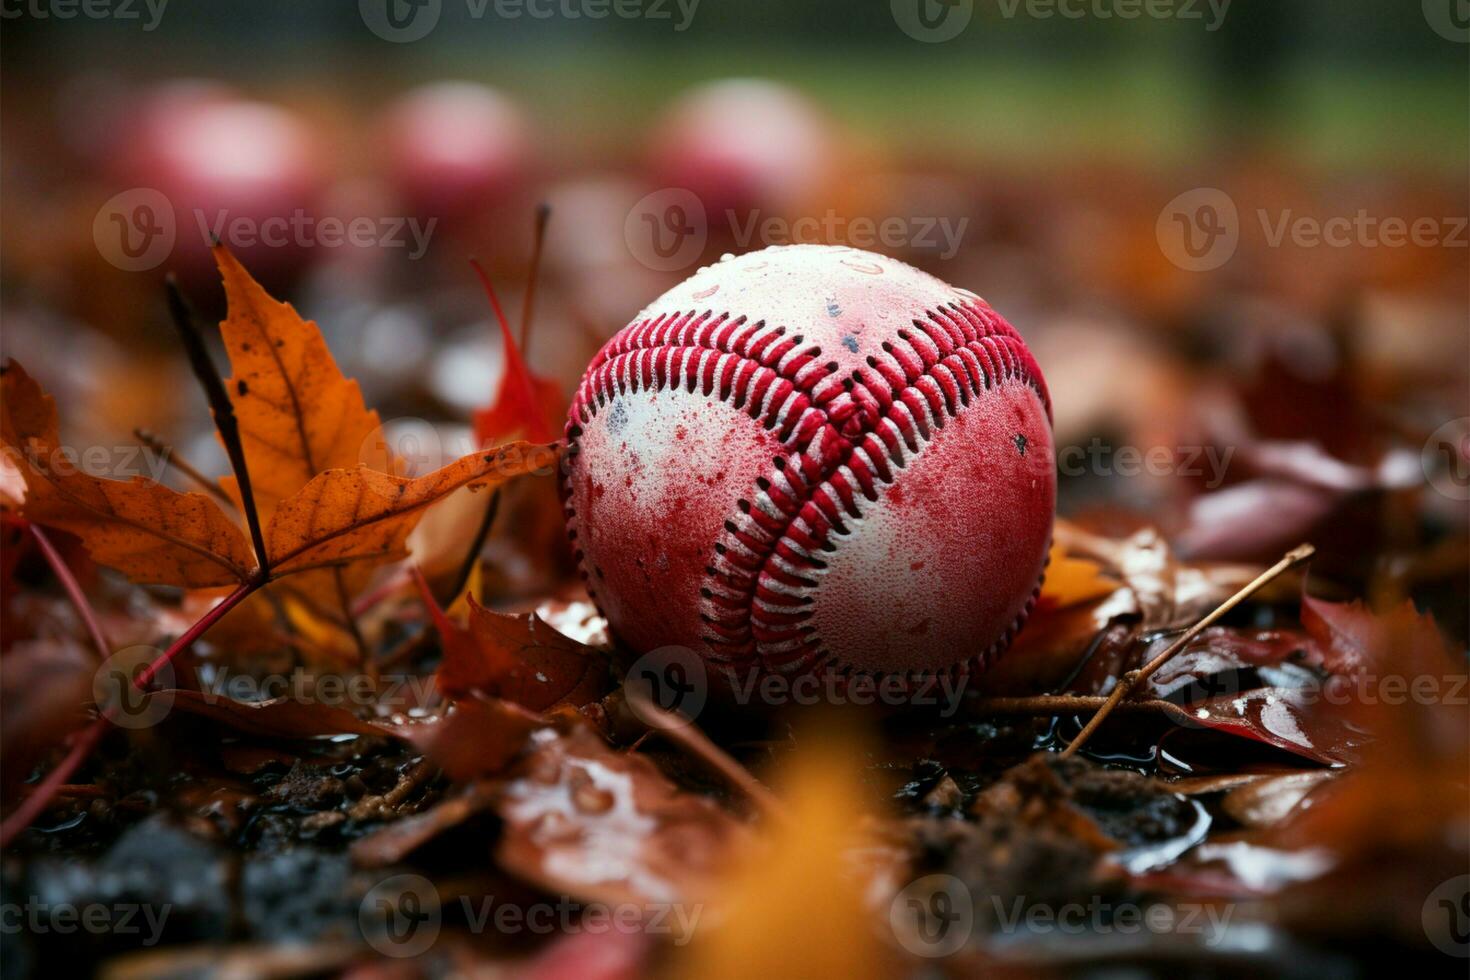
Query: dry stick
point(222, 409)
point(1128, 681)
point(683, 733)
point(1072, 704)
point(543, 215)
point(73, 590)
point(84, 741)
point(178, 462)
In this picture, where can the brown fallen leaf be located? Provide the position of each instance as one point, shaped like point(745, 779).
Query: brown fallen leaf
point(44, 690)
point(1270, 800)
point(473, 738)
point(476, 737)
point(147, 531)
point(583, 820)
point(518, 657)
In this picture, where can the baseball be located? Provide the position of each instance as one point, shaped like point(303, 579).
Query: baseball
point(814, 458)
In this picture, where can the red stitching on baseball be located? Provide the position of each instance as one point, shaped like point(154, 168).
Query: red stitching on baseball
point(846, 438)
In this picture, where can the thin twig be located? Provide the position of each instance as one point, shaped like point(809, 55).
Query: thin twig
point(1133, 678)
point(187, 638)
point(73, 590)
point(687, 736)
point(538, 242)
point(178, 462)
point(222, 409)
point(1070, 704)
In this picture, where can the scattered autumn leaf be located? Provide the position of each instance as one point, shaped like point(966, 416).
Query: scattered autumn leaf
point(583, 820)
point(518, 657)
point(477, 736)
point(148, 531)
point(350, 515)
point(526, 405)
point(298, 414)
point(797, 910)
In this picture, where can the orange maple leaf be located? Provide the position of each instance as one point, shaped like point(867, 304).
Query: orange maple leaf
point(330, 504)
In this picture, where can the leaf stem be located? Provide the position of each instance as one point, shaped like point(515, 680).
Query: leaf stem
point(1133, 678)
point(73, 590)
point(187, 638)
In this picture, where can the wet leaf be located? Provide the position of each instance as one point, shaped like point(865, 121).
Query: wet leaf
point(521, 658)
point(583, 820)
point(476, 737)
point(274, 718)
